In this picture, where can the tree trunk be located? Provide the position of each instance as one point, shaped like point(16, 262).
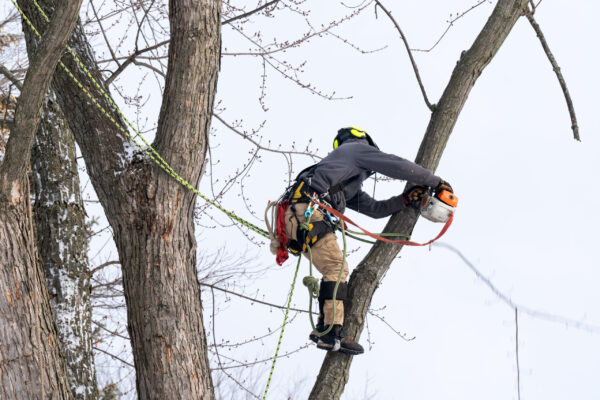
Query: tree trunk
point(364, 280)
point(31, 366)
point(62, 240)
point(30, 362)
point(150, 213)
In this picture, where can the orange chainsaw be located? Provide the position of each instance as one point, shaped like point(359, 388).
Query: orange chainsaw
point(438, 208)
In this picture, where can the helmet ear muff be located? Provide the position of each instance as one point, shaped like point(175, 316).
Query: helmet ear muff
point(352, 133)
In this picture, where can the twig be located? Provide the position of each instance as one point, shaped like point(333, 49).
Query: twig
point(110, 49)
point(131, 58)
point(402, 335)
point(450, 25)
point(558, 73)
point(244, 365)
point(114, 333)
point(115, 357)
point(412, 60)
point(258, 145)
point(252, 299)
point(99, 267)
point(247, 14)
point(10, 76)
point(217, 351)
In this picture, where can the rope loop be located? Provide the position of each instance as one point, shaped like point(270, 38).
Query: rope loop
point(312, 284)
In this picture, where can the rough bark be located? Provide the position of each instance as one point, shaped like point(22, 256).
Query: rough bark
point(150, 213)
point(365, 278)
point(62, 240)
point(30, 361)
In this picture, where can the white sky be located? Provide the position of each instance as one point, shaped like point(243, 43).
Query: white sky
point(527, 215)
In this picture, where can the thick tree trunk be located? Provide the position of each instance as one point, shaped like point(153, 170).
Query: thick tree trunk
point(150, 213)
point(365, 278)
point(31, 366)
point(30, 363)
point(62, 240)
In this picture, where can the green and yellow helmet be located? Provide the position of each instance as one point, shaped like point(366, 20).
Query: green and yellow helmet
point(351, 133)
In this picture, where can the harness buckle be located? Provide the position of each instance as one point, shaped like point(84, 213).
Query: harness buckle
point(311, 207)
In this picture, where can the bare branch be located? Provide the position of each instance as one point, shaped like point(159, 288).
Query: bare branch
point(101, 266)
point(217, 351)
point(402, 335)
point(115, 357)
point(10, 18)
point(249, 13)
point(10, 76)
point(113, 333)
point(557, 71)
point(261, 147)
point(110, 49)
point(252, 299)
point(132, 58)
point(412, 60)
point(450, 25)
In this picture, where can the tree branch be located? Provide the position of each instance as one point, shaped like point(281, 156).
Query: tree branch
point(249, 13)
point(251, 299)
point(412, 60)
point(10, 76)
point(35, 87)
point(131, 59)
point(115, 357)
point(557, 71)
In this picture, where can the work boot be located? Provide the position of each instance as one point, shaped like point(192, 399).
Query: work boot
point(319, 328)
point(337, 340)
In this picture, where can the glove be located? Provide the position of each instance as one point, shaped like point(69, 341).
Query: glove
point(443, 185)
point(414, 196)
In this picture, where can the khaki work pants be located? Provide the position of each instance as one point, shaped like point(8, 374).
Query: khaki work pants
point(326, 256)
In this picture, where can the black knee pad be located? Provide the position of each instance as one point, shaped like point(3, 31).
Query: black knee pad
point(327, 288)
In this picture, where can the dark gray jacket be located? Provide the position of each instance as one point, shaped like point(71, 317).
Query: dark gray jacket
point(353, 162)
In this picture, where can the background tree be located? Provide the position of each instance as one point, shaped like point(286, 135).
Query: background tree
point(31, 359)
point(151, 214)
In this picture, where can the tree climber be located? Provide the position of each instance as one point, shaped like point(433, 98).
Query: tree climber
point(337, 180)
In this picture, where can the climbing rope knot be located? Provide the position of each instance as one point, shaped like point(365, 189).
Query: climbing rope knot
point(312, 284)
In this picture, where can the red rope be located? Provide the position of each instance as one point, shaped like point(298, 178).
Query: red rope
point(282, 252)
point(384, 239)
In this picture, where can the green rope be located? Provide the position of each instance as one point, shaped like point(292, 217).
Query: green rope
point(384, 234)
point(287, 309)
point(310, 280)
point(148, 150)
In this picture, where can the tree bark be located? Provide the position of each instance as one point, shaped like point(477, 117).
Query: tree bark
point(150, 213)
point(364, 280)
point(30, 361)
point(62, 240)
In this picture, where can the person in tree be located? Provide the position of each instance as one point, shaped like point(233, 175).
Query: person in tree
point(337, 179)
